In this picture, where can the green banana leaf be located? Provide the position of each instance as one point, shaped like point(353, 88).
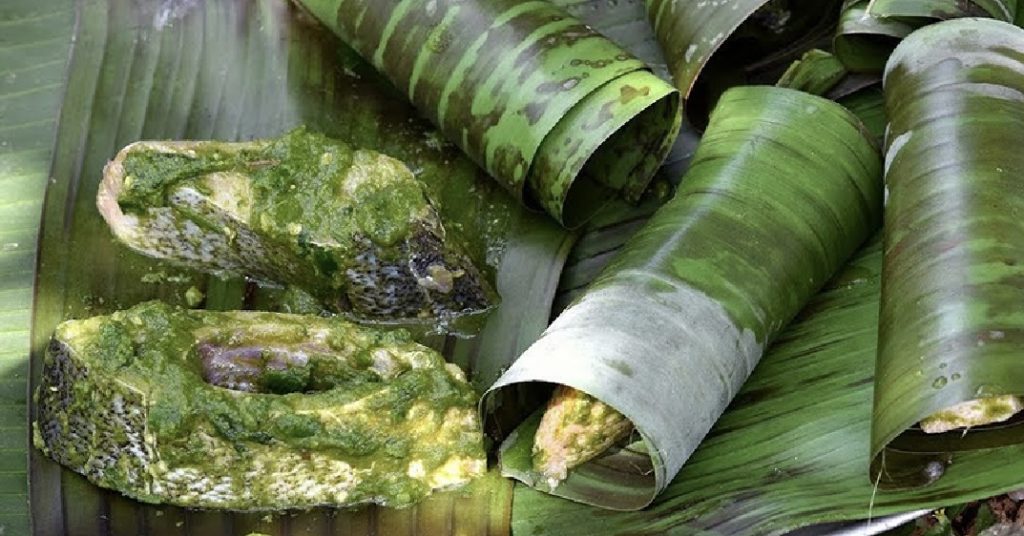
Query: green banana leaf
point(259, 68)
point(863, 42)
point(870, 29)
point(868, 105)
point(625, 22)
point(820, 73)
point(559, 114)
point(34, 39)
point(687, 307)
point(949, 330)
point(713, 45)
point(816, 72)
point(793, 447)
point(814, 473)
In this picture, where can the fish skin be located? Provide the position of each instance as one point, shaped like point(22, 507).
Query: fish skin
point(95, 414)
point(424, 277)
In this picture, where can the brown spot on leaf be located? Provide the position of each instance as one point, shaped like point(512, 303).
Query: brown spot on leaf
point(555, 86)
point(534, 111)
point(628, 93)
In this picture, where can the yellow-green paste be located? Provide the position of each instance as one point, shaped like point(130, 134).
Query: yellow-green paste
point(352, 227)
point(254, 411)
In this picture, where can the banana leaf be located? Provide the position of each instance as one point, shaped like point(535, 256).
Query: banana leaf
point(868, 105)
point(949, 329)
point(35, 40)
point(624, 22)
point(869, 30)
point(671, 329)
point(819, 73)
point(558, 114)
point(793, 447)
point(711, 46)
point(234, 71)
point(816, 72)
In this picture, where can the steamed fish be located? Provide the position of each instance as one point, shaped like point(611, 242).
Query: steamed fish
point(254, 411)
point(575, 429)
point(977, 412)
point(354, 228)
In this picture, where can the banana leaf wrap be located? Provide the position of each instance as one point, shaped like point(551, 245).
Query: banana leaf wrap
point(671, 329)
point(869, 30)
point(711, 46)
point(950, 325)
point(558, 114)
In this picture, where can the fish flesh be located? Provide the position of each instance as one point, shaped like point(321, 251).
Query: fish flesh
point(254, 410)
point(354, 228)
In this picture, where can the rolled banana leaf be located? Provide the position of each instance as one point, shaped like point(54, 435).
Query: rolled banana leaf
point(819, 73)
point(792, 449)
point(816, 72)
point(869, 30)
point(254, 410)
point(711, 46)
point(868, 105)
point(950, 330)
point(625, 22)
point(671, 329)
point(238, 71)
point(558, 114)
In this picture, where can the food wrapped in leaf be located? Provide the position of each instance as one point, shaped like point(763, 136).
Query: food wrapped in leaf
point(254, 411)
point(561, 116)
point(667, 334)
point(352, 227)
point(950, 327)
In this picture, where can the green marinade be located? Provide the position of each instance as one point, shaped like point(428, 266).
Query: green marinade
point(352, 227)
point(254, 411)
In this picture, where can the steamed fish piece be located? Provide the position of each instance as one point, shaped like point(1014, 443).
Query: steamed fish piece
point(575, 429)
point(978, 412)
point(254, 411)
point(354, 228)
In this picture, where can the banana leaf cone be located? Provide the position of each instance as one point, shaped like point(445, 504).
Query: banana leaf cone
point(869, 30)
point(782, 190)
point(711, 46)
point(792, 449)
point(950, 373)
point(558, 114)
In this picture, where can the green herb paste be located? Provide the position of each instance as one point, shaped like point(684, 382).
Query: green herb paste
point(354, 228)
point(253, 411)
